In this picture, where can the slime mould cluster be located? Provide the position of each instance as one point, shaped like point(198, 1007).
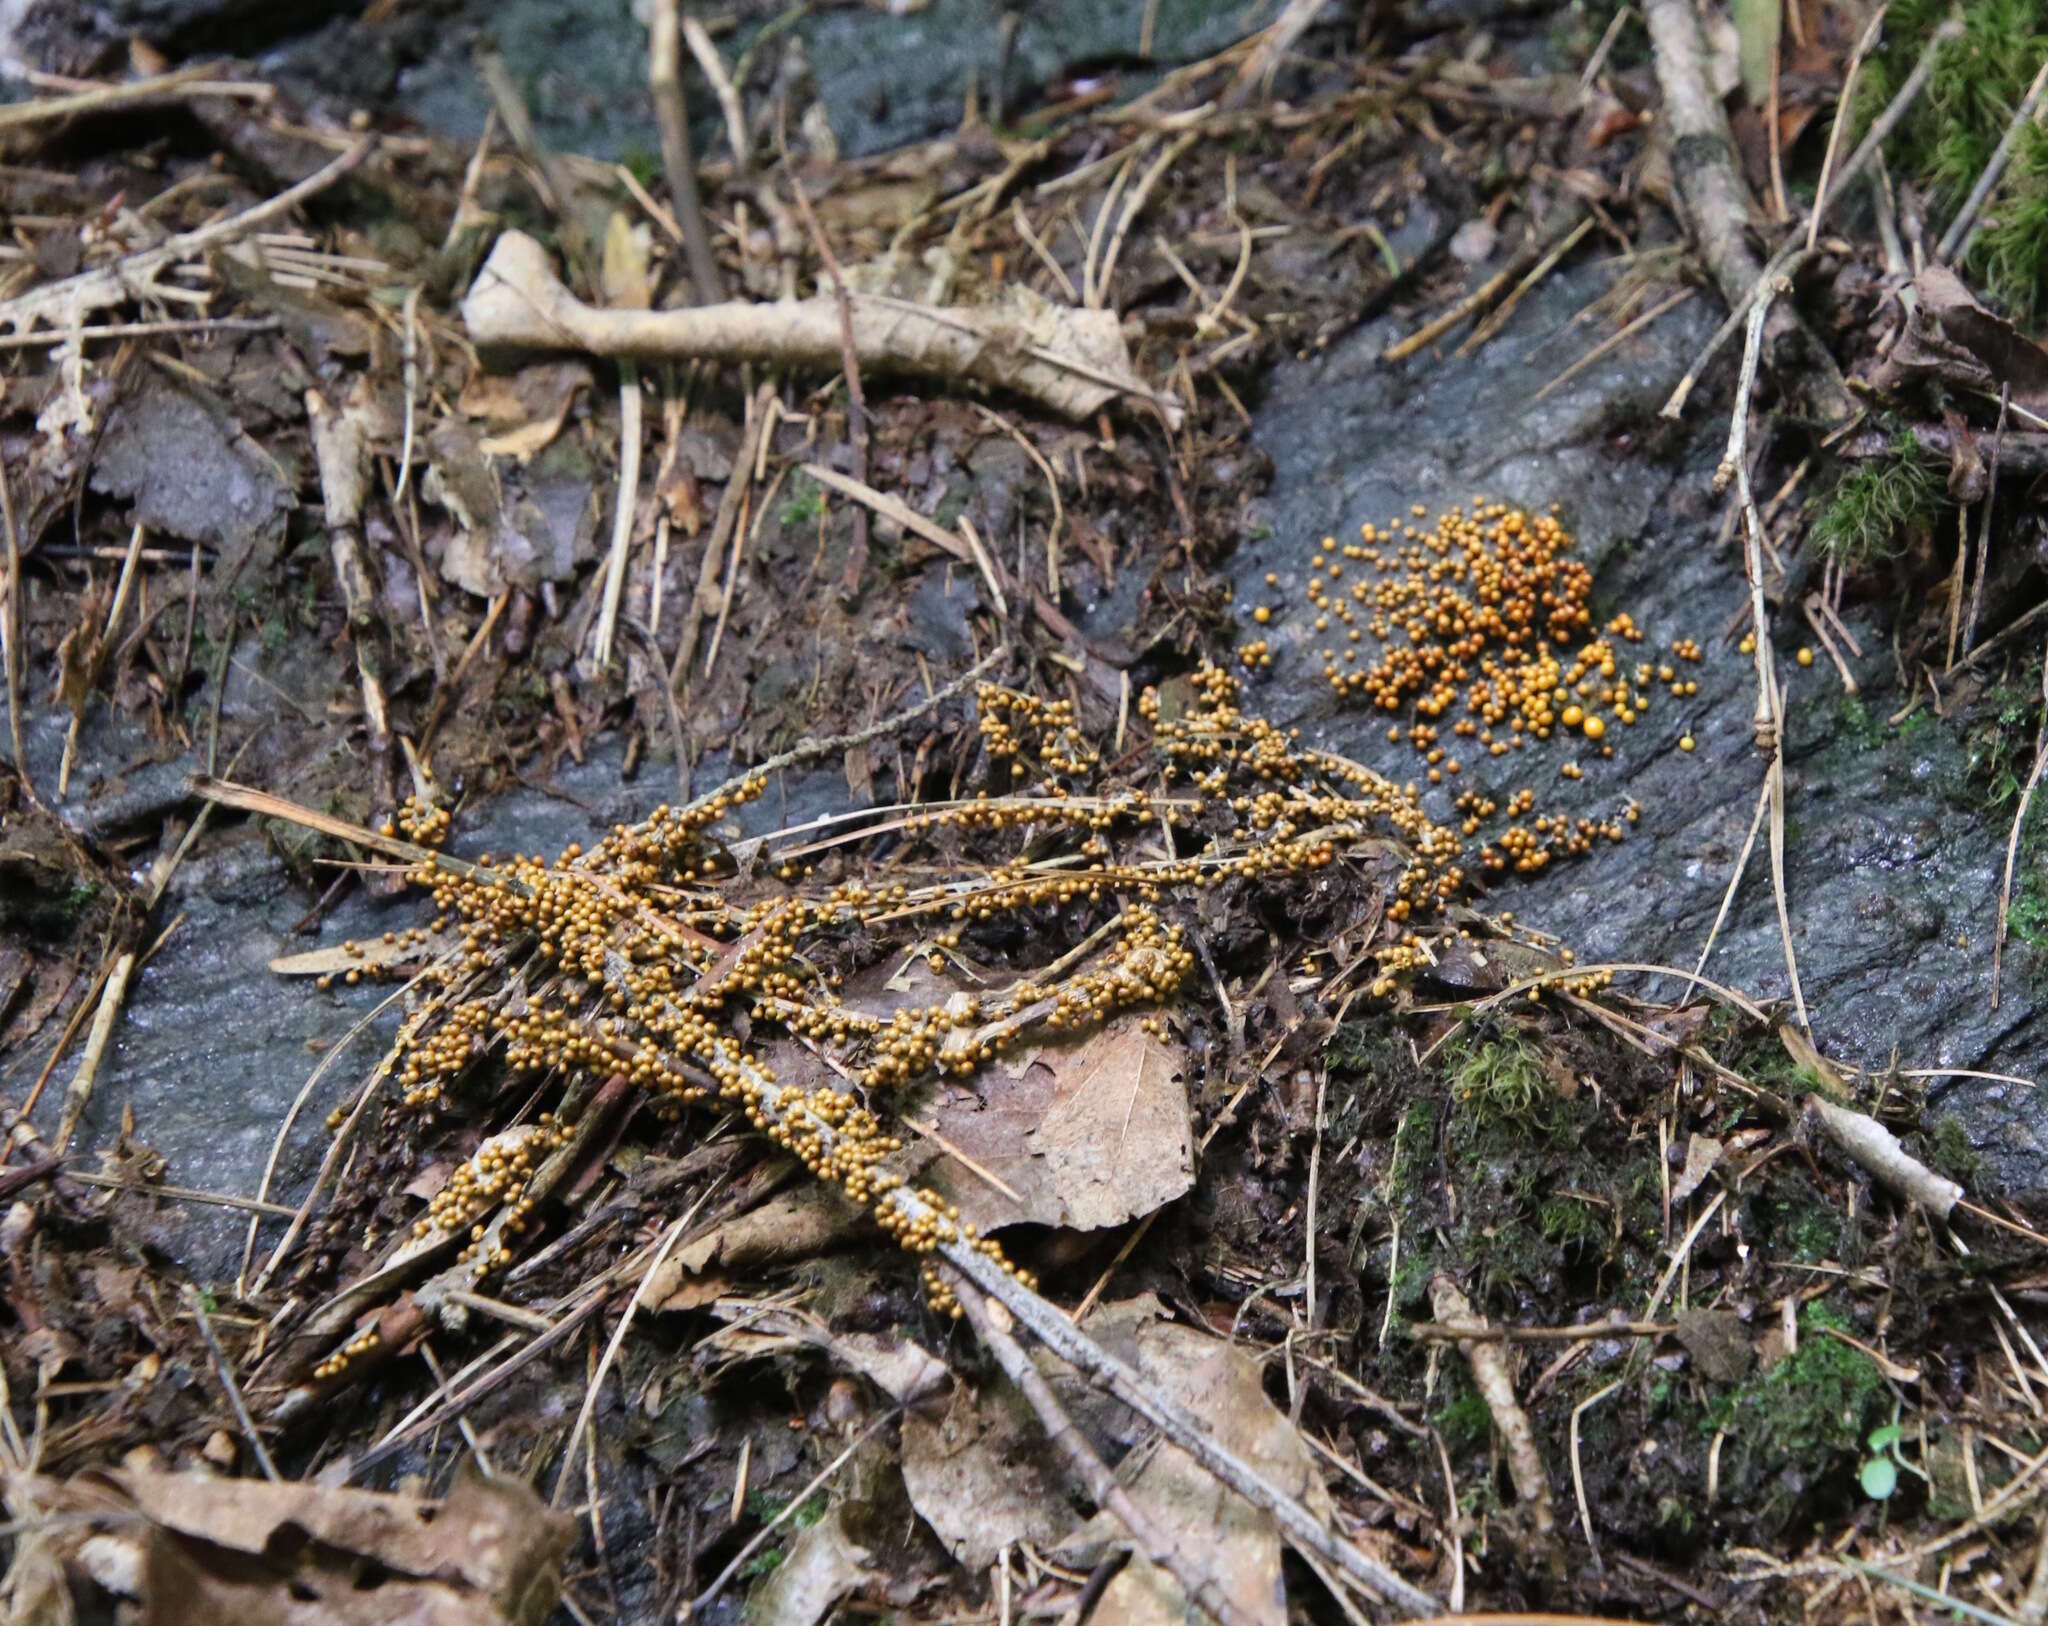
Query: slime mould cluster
point(1483, 638)
point(653, 956)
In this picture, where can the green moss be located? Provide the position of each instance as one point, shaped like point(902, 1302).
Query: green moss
point(1801, 1425)
point(1879, 505)
point(1499, 1083)
point(1571, 1221)
point(1944, 1144)
point(1859, 725)
point(1463, 1419)
point(1947, 139)
point(806, 502)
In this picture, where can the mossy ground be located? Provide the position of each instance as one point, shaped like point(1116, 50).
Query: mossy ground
point(1521, 1155)
point(1948, 137)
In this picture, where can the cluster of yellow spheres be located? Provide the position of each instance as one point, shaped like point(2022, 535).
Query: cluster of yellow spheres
point(1478, 629)
point(653, 958)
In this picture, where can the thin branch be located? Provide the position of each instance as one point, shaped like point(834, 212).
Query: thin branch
point(849, 361)
point(1843, 103)
point(991, 1323)
point(664, 81)
point(197, 1301)
point(696, 1607)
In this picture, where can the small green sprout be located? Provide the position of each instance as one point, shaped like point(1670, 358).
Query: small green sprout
point(1880, 1473)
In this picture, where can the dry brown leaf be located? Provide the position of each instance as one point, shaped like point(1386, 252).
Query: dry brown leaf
point(339, 959)
point(822, 1566)
point(526, 410)
point(240, 1552)
point(1085, 1136)
point(982, 1477)
point(901, 1369)
point(1240, 1543)
point(1702, 1155)
point(625, 277)
point(795, 1225)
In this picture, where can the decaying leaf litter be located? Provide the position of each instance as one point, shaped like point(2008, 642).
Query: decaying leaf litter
point(1492, 1280)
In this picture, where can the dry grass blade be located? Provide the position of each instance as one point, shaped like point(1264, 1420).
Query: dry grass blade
point(180, 84)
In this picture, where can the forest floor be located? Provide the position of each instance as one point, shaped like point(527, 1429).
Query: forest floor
point(1221, 723)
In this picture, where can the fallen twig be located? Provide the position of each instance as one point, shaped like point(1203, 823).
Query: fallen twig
point(1072, 362)
point(1568, 218)
point(1490, 1376)
point(911, 520)
point(1703, 163)
point(1787, 259)
point(991, 1324)
point(1877, 1151)
point(811, 750)
point(1843, 102)
point(10, 634)
point(622, 517)
point(713, 67)
point(704, 598)
point(196, 1301)
point(180, 84)
point(62, 304)
point(1956, 240)
point(849, 365)
point(2012, 849)
point(339, 454)
point(1770, 717)
point(671, 116)
point(1174, 1420)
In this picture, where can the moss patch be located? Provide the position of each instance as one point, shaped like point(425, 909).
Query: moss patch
point(1795, 1433)
point(1949, 135)
point(1880, 506)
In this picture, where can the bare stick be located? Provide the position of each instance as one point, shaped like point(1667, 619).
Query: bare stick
point(1703, 163)
point(1076, 370)
point(197, 1303)
point(10, 634)
point(622, 521)
point(991, 1322)
point(1984, 532)
point(702, 1601)
point(78, 1094)
point(849, 363)
point(1567, 220)
point(1578, 1475)
point(894, 508)
point(1956, 240)
point(1133, 206)
point(1735, 466)
point(1786, 260)
point(2012, 849)
point(1613, 339)
point(811, 750)
point(1843, 103)
point(1176, 1421)
point(1770, 721)
point(60, 303)
point(1878, 1152)
point(97, 665)
point(618, 1337)
point(162, 89)
point(1490, 1376)
point(664, 81)
point(704, 598)
point(1763, 802)
point(713, 68)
